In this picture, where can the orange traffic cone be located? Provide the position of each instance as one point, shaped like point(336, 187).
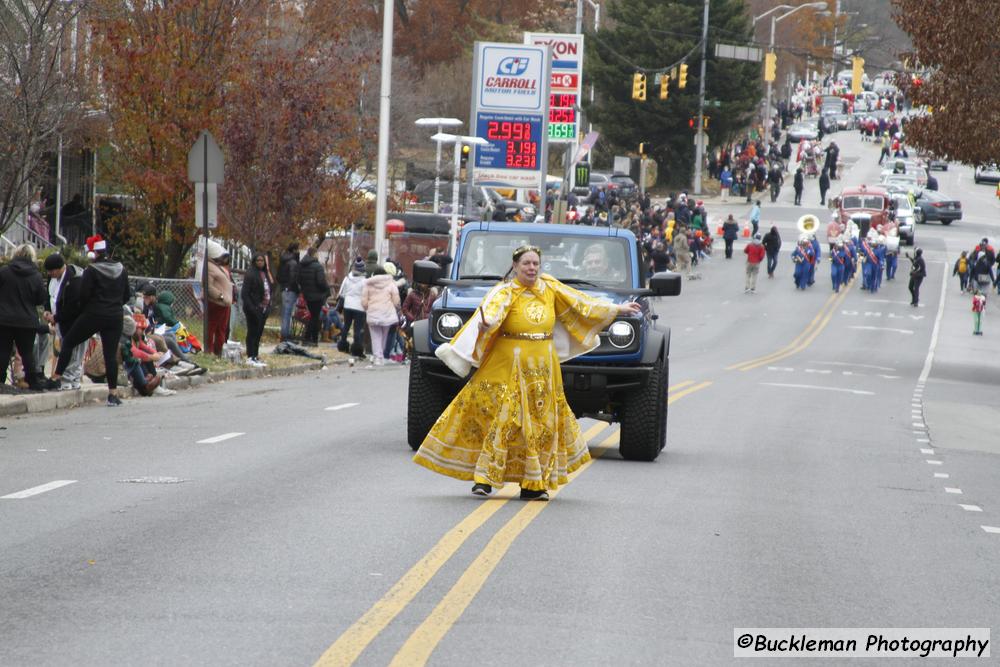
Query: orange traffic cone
point(718, 230)
point(746, 230)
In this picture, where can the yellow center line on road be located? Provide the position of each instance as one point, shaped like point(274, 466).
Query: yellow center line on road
point(806, 342)
point(356, 638)
point(422, 642)
point(680, 385)
point(681, 394)
point(801, 341)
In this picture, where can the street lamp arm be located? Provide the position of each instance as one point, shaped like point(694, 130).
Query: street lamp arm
point(813, 5)
point(770, 11)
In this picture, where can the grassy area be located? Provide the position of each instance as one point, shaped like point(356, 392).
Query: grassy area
point(269, 339)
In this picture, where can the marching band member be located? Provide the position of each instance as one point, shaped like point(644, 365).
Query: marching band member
point(801, 259)
point(814, 260)
point(891, 255)
point(838, 265)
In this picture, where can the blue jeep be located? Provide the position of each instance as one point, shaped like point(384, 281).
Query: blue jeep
point(624, 380)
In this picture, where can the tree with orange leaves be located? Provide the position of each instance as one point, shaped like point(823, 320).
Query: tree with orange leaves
point(293, 131)
point(165, 65)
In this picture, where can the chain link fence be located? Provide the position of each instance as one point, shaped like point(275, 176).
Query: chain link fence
point(187, 305)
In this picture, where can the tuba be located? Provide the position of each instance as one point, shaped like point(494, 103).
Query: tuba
point(808, 224)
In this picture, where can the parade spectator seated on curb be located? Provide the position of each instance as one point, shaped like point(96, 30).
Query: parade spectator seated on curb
point(142, 382)
point(164, 326)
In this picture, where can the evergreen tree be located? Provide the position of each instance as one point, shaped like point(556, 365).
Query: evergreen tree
point(650, 35)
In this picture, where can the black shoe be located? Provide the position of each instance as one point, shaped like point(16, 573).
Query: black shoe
point(481, 489)
point(113, 401)
point(528, 494)
point(48, 384)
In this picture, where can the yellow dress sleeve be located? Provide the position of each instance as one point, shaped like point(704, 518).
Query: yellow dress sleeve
point(582, 316)
point(468, 347)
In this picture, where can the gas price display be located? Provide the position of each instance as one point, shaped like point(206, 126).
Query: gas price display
point(513, 141)
point(562, 116)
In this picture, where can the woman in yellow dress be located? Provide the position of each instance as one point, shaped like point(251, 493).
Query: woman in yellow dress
point(511, 422)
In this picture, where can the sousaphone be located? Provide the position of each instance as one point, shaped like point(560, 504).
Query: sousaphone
point(808, 224)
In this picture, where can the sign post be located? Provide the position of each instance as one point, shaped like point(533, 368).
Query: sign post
point(206, 167)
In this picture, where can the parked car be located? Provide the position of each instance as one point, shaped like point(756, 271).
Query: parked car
point(935, 206)
point(987, 173)
point(628, 189)
point(935, 162)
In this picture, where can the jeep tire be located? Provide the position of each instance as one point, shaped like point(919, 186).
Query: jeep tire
point(644, 417)
point(427, 400)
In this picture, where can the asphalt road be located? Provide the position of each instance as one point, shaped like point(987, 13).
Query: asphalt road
point(820, 451)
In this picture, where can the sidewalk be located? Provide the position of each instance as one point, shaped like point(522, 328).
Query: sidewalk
point(89, 392)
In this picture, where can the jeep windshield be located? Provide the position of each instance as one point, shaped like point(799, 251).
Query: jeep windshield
point(598, 260)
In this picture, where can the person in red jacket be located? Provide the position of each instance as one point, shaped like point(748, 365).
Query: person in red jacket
point(755, 254)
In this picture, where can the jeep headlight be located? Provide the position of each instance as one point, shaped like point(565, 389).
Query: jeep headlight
point(621, 334)
point(448, 325)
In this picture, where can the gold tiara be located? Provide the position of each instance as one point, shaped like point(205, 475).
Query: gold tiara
point(526, 248)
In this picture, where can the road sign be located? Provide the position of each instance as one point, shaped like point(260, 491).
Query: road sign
point(734, 52)
point(510, 99)
point(213, 205)
point(565, 82)
point(205, 161)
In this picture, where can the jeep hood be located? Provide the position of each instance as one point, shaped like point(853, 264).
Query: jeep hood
point(467, 297)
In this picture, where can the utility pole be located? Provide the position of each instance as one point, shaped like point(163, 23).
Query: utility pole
point(385, 101)
point(699, 154)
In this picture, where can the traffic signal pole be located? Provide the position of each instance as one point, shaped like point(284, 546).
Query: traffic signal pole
point(699, 154)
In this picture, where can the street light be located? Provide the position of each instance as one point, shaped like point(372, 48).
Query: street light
point(821, 6)
point(441, 123)
point(458, 140)
point(596, 6)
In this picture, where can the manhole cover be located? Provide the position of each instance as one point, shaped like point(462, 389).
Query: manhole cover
point(153, 480)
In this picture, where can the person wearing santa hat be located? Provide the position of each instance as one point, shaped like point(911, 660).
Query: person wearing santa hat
point(104, 291)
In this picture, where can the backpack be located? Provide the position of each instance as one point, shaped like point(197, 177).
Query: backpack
point(963, 265)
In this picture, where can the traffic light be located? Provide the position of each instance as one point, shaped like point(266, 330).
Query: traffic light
point(664, 87)
point(466, 149)
point(704, 122)
point(692, 122)
point(857, 73)
point(682, 78)
point(770, 66)
point(639, 87)
point(642, 149)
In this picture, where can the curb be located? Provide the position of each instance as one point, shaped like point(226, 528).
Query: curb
point(58, 400)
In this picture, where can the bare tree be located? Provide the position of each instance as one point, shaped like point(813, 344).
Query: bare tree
point(39, 98)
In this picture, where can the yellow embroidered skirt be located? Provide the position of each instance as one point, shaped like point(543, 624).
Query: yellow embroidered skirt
point(510, 423)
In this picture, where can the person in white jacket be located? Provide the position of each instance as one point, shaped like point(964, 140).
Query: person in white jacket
point(380, 299)
point(354, 312)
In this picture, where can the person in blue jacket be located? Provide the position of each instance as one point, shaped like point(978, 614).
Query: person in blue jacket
point(871, 261)
point(838, 265)
point(801, 260)
point(880, 253)
point(891, 261)
point(816, 254)
point(852, 259)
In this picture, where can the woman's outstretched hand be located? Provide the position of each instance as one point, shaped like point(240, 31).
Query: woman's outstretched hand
point(629, 308)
